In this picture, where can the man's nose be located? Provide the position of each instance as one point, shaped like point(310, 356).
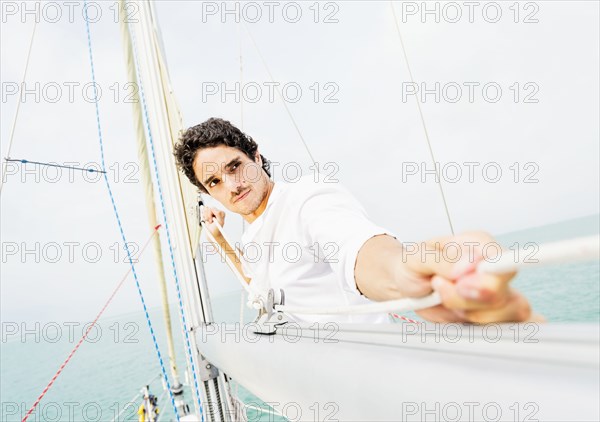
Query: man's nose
point(232, 182)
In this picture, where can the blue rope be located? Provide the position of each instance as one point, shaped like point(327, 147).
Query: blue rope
point(164, 215)
point(112, 199)
point(23, 161)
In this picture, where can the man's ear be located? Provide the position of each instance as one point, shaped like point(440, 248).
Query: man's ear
point(257, 157)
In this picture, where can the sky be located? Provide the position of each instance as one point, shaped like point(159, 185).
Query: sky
point(509, 94)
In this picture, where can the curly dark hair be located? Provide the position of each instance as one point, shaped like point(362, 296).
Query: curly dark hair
point(212, 133)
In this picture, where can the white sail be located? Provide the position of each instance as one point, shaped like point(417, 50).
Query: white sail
point(414, 372)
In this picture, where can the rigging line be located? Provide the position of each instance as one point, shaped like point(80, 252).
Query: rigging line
point(403, 318)
point(242, 301)
point(562, 252)
point(116, 213)
point(126, 406)
point(84, 336)
point(169, 241)
point(14, 123)
point(159, 404)
point(223, 253)
point(437, 172)
point(134, 398)
point(89, 169)
point(269, 411)
point(398, 305)
point(241, 97)
point(241, 80)
point(281, 97)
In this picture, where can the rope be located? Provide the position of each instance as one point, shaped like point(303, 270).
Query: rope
point(169, 242)
point(130, 402)
point(403, 318)
point(270, 411)
point(160, 402)
point(565, 251)
point(242, 301)
point(89, 169)
point(281, 97)
point(241, 82)
point(137, 283)
point(438, 178)
point(399, 305)
point(84, 336)
point(223, 254)
point(255, 299)
point(238, 253)
point(14, 123)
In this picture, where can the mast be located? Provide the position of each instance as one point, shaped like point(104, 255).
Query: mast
point(177, 205)
point(150, 203)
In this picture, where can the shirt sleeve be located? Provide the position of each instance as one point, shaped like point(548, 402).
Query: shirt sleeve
point(338, 223)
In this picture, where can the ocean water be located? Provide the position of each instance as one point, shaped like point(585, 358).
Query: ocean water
point(119, 358)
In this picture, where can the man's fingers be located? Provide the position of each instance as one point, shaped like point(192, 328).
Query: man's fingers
point(206, 214)
point(504, 307)
point(469, 299)
point(516, 309)
point(483, 287)
point(220, 217)
point(209, 213)
point(441, 314)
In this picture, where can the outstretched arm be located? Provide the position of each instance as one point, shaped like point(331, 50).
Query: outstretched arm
point(385, 270)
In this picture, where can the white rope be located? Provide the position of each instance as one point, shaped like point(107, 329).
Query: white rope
point(265, 410)
point(240, 278)
point(132, 401)
point(566, 251)
point(438, 178)
point(399, 305)
point(241, 81)
point(160, 402)
point(238, 253)
point(14, 123)
point(255, 299)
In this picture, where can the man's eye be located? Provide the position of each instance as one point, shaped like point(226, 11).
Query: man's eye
point(234, 166)
point(213, 183)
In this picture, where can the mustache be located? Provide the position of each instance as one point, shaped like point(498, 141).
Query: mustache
point(241, 192)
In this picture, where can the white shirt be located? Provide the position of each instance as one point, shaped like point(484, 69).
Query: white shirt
point(306, 242)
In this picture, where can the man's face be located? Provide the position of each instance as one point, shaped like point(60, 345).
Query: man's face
point(232, 178)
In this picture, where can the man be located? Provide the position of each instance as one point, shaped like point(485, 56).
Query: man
point(315, 241)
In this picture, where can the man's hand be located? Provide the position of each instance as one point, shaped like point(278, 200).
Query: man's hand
point(209, 216)
point(449, 266)
point(468, 295)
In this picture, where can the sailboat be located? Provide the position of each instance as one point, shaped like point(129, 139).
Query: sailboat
point(337, 372)
point(399, 371)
